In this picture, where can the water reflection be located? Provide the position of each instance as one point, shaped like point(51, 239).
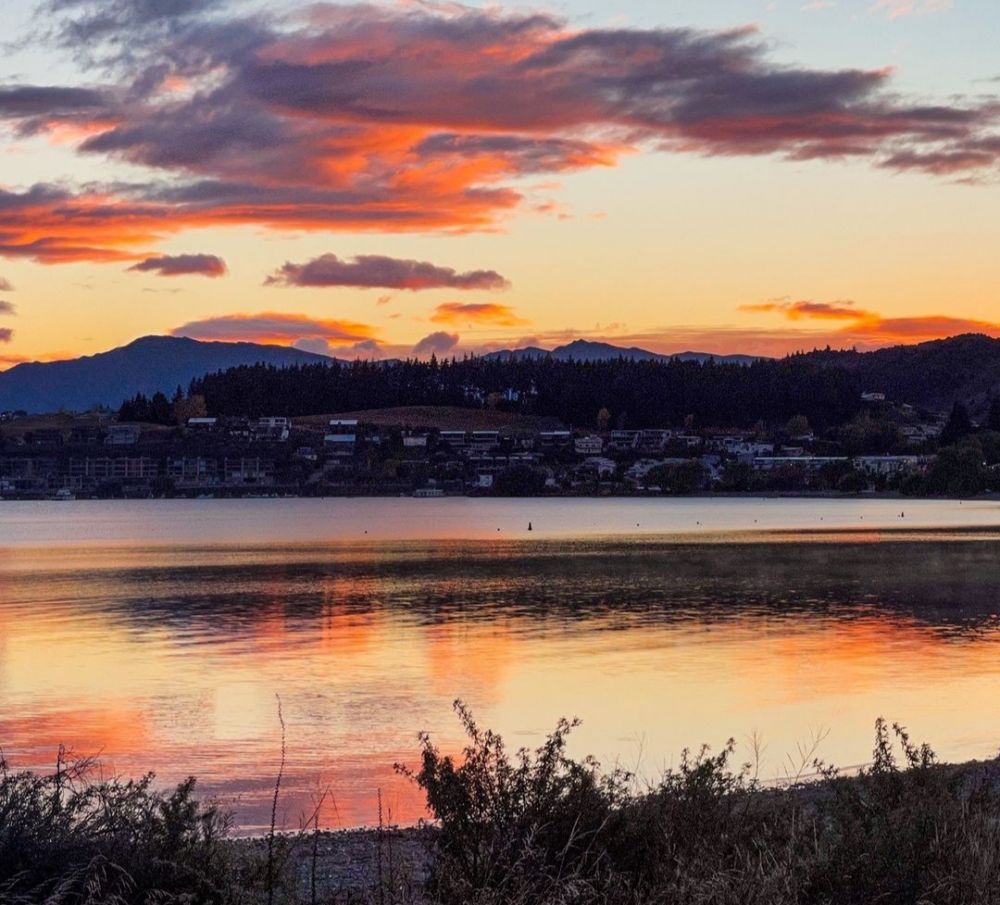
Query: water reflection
point(169, 658)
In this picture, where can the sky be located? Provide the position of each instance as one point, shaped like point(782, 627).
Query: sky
point(410, 178)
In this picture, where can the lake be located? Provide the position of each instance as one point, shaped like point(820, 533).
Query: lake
point(159, 635)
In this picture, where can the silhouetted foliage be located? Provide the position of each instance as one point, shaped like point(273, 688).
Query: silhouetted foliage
point(542, 827)
point(639, 393)
point(67, 839)
point(958, 426)
point(993, 415)
point(157, 410)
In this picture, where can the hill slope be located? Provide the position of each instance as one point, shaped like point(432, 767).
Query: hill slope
point(148, 365)
point(932, 374)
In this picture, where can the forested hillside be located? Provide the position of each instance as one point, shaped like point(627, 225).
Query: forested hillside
point(632, 393)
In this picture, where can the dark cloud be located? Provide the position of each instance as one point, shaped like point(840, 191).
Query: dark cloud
point(438, 343)
point(5, 285)
point(80, 23)
point(6, 334)
point(182, 265)
point(422, 116)
point(7, 307)
point(378, 271)
point(48, 100)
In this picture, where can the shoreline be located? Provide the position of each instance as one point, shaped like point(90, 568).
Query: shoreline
point(720, 495)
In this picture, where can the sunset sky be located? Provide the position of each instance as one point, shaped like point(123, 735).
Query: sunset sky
point(405, 178)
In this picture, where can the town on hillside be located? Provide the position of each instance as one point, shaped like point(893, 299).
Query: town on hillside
point(428, 452)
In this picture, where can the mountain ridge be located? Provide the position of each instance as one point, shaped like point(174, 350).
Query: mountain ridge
point(933, 374)
point(590, 350)
point(146, 365)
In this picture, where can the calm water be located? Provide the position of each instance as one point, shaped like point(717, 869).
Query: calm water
point(157, 634)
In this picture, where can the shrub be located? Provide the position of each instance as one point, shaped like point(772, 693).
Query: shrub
point(541, 827)
point(67, 839)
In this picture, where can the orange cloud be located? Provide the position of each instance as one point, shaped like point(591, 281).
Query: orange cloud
point(886, 331)
point(898, 9)
point(805, 309)
point(479, 312)
point(868, 328)
point(276, 328)
point(426, 117)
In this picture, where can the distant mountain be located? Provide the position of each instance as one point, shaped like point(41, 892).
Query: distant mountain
point(587, 350)
point(508, 354)
point(148, 365)
point(932, 374)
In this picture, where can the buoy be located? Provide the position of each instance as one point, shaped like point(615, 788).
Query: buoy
point(529, 526)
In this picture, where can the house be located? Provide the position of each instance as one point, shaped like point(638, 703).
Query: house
point(484, 441)
point(123, 435)
point(920, 433)
point(886, 465)
point(340, 444)
point(193, 471)
point(202, 424)
point(588, 446)
point(554, 439)
point(272, 430)
point(94, 470)
point(415, 441)
point(810, 463)
point(604, 468)
point(454, 439)
point(748, 450)
point(622, 440)
point(653, 441)
point(248, 470)
point(873, 397)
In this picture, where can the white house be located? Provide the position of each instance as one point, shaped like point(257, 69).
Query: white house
point(588, 446)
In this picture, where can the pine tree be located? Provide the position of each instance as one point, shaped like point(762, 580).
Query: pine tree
point(959, 425)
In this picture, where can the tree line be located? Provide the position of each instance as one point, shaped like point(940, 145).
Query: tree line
point(631, 394)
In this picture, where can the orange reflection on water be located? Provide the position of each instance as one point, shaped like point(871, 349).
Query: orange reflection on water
point(174, 663)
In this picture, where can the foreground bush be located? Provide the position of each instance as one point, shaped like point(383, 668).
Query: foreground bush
point(66, 839)
point(537, 827)
point(541, 827)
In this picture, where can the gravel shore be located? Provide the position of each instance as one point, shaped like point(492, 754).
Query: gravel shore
point(351, 865)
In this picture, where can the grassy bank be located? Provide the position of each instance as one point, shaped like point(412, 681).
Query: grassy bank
point(532, 827)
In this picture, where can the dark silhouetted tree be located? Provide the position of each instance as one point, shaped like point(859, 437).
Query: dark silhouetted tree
point(993, 417)
point(959, 425)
